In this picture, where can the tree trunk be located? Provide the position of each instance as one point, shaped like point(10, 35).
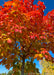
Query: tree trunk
point(23, 63)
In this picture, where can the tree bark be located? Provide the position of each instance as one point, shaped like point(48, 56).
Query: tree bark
point(23, 64)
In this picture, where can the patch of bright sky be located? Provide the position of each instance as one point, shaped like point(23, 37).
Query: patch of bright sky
point(52, 54)
point(49, 6)
point(3, 69)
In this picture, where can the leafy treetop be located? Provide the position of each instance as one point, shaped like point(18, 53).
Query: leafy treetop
point(24, 22)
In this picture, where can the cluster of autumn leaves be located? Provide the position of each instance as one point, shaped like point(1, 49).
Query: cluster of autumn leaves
point(24, 22)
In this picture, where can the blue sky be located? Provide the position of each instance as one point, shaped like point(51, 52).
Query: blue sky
point(49, 6)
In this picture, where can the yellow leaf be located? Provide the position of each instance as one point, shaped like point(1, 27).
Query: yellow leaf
point(18, 52)
point(12, 11)
point(14, 4)
point(0, 50)
point(40, 55)
point(3, 34)
point(1, 54)
point(7, 38)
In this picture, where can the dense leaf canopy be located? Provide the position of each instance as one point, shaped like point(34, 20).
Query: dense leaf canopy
point(24, 22)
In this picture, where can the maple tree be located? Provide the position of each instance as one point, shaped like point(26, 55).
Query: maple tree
point(10, 72)
point(23, 22)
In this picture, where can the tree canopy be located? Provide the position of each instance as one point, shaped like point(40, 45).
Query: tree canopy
point(23, 22)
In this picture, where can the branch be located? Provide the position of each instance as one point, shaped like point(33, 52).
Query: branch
point(29, 48)
point(30, 54)
point(16, 44)
point(21, 56)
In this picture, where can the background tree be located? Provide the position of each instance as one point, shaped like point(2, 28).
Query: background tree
point(23, 22)
point(47, 67)
point(31, 67)
point(10, 72)
point(3, 74)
